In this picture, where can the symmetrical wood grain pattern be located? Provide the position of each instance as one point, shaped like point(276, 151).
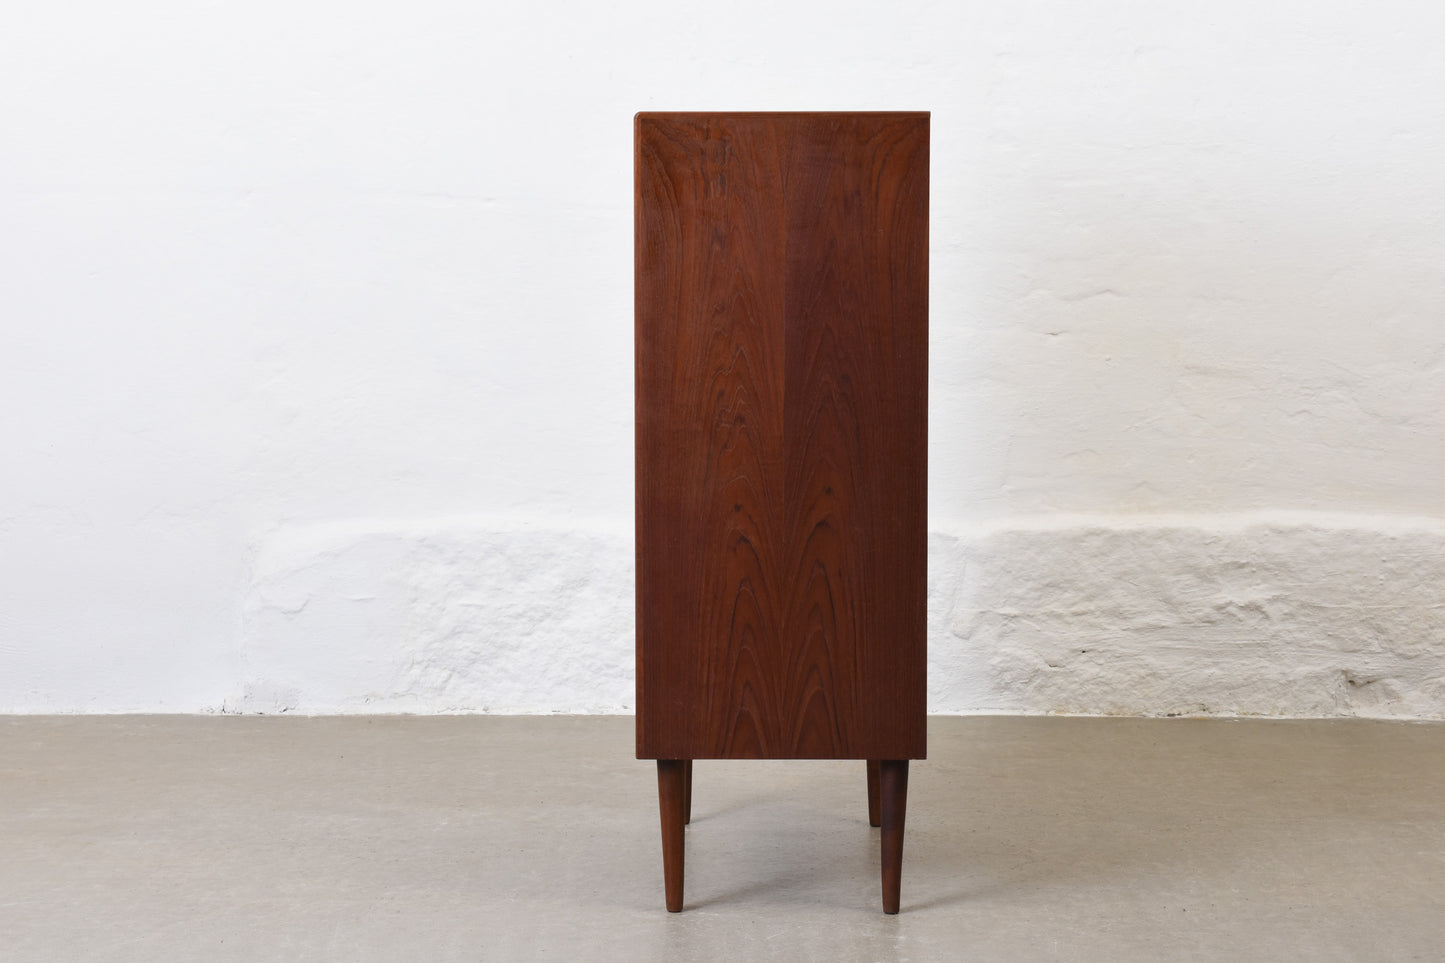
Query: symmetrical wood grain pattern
point(782, 373)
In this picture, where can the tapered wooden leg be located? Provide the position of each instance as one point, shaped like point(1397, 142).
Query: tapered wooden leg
point(893, 801)
point(671, 793)
point(687, 791)
point(873, 792)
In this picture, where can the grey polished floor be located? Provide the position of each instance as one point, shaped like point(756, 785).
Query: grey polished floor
point(490, 838)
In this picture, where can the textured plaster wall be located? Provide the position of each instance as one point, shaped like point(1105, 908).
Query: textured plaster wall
point(1260, 614)
point(315, 354)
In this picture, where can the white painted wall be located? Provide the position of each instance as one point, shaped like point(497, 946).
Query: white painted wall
point(315, 346)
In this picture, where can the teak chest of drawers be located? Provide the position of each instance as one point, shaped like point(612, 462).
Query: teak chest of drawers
point(782, 432)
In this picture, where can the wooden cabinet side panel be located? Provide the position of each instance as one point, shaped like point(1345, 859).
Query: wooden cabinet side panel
point(709, 437)
point(781, 351)
point(856, 413)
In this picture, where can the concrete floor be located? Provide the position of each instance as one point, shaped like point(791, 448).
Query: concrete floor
point(491, 838)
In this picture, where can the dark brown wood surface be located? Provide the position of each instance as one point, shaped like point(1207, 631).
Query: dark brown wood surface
point(874, 811)
point(782, 383)
point(672, 802)
point(893, 806)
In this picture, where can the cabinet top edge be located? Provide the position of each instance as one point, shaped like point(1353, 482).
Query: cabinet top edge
point(642, 115)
